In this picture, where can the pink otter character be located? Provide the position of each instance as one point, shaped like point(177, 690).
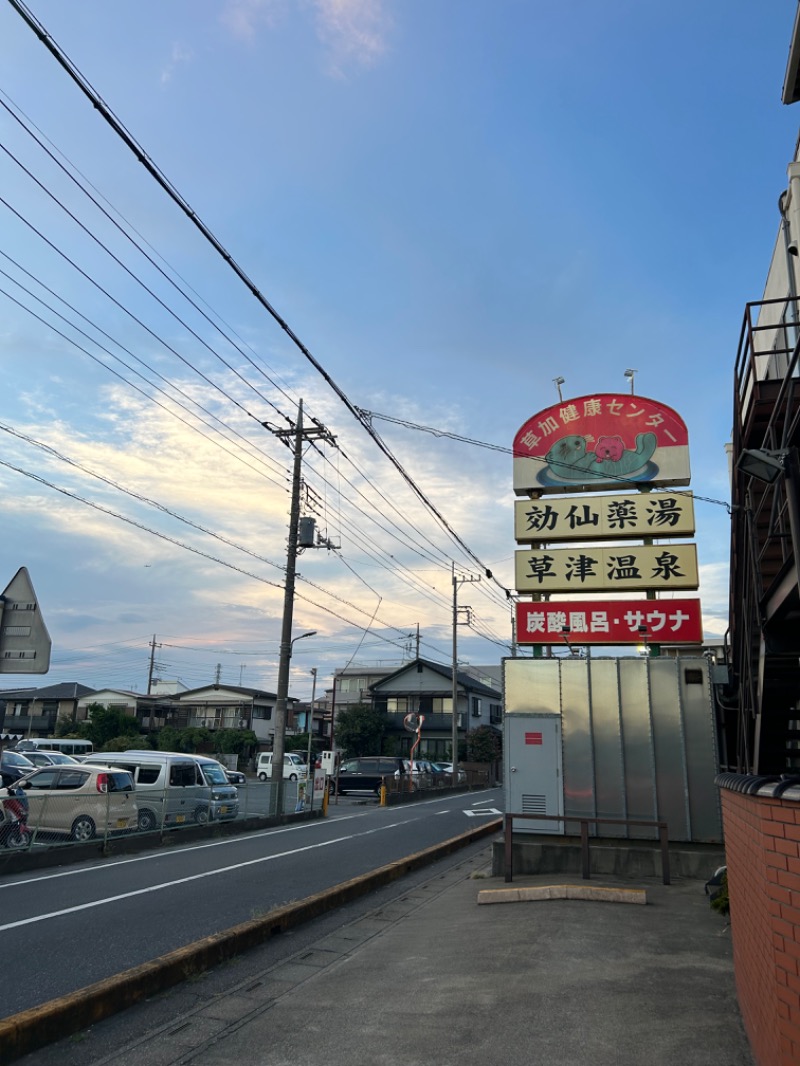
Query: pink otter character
point(609, 448)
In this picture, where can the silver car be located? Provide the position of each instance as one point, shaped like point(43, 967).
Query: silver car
point(80, 801)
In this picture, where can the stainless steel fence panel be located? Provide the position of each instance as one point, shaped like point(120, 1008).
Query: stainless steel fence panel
point(701, 749)
point(576, 724)
point(609, 766)
point(637, 744)
point(669, 745)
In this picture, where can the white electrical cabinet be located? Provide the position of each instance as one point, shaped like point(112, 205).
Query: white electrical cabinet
point(533, 763)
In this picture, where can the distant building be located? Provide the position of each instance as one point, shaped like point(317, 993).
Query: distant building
point(35, 711)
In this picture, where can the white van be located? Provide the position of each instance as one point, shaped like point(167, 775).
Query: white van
point(294, 769)
point(174, 788)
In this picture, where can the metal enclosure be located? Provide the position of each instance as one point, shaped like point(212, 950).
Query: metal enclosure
point(637, 742)
point(533, 780)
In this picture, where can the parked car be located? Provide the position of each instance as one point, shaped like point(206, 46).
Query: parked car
point(447, 768)
point(79, 801)
point(13, 765)
point(235, 777)
point(423, 772)
point(294, 768)
point(175, 788)
point(50, 758)
point(367, 774)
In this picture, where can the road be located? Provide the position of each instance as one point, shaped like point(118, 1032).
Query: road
point(81, 923)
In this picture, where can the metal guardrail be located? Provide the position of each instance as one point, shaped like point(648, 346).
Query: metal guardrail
point(508, 826)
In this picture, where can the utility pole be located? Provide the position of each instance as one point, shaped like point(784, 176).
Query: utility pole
point(456, 582)
point(310, 726)
point(294, 439)
point(153, 647)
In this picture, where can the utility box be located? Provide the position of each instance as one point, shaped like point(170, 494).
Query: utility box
point(306, 532)
point(533, 779)
point(329, 760)
point(634, 739)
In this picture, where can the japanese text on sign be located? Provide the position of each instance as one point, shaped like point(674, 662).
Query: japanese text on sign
point(661, 514)
point(610, 622)
point(607, 569)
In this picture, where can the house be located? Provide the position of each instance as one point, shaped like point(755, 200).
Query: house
point(225, 707)
point(426, 688)
point(209, 707)
point(113, 699)
point(35, 711)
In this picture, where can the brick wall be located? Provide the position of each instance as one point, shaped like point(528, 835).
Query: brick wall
point(762, 848)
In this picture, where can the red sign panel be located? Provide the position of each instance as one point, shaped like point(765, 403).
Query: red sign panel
point(605, 440)
point(533, 738)
point(610, 622)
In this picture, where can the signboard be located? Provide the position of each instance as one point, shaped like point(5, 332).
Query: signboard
point(24, 641)
point(640, 514)
point(586, 569)
point(598, 621)
point(603, 441)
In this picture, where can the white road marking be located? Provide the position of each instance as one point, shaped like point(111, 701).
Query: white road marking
point(486, 810)
point(178, 881)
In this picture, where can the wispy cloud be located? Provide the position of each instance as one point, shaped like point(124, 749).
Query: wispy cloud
point(180, 56)
point(243, 18)
point(353, 33)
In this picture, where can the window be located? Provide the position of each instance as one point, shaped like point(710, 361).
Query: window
point(397, 704)
point(148, 775)
point(120, 782)
point(352, 684)
point(264, 713)
point(476, 707)
point(182, 774)
point(71, 779)
point(45, 779)
point(495, 712)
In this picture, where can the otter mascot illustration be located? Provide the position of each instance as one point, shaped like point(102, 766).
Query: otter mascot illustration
point(569, 460)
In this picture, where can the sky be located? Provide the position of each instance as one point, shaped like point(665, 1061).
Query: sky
point(449, 203)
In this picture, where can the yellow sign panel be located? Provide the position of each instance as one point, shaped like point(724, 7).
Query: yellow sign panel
point(586, 569)
point(640, 514)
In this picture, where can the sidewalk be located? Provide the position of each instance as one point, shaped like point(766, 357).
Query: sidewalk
point(432, 977)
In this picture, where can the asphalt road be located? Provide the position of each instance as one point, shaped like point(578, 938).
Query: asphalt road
point(81, 923)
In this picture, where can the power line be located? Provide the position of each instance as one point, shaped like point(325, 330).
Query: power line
point(155, 172)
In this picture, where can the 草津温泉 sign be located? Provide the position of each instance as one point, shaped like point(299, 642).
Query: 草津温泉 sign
point(587, 569)
point(603, 441)
point(641, 514)
point(610, 622)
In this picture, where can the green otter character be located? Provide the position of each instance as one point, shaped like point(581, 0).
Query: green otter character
point(569, 460)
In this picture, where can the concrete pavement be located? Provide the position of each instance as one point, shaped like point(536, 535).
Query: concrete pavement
point(430, 976)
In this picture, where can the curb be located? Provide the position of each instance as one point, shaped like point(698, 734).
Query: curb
point(29, 1030)
point(534, 893)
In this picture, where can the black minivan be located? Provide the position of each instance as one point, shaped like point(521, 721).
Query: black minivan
point(366, 774)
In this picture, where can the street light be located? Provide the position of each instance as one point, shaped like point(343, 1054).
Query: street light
point(763, 464)
point(310, 633)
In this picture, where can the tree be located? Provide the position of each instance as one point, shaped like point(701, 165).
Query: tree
point(189, 739)
point(483, 745)
point(105, 724)
point(360, 729)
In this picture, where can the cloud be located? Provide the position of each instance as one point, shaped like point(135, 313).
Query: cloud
point(180, 55)
point(244, 17)
point(353, 31)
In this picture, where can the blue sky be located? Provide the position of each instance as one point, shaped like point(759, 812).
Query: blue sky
point(451, 203)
